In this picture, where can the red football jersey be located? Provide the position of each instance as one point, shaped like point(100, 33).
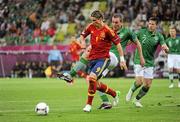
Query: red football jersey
point(101, 40)
point(74, 50)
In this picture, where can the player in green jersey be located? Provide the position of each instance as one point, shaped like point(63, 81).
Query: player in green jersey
point(126, 36)
point(173, 43)
point(149, 39)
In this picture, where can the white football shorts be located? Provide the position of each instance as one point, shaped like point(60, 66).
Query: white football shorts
point(173, 61)
point(146, 72)
point(113, 63)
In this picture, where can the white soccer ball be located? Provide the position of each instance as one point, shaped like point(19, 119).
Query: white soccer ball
point(42, 108)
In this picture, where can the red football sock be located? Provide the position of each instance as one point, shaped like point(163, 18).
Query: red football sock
point(82, 74)
point(104, 88)
point(91, 90)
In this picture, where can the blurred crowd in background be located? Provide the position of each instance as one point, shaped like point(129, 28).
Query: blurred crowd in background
point(54, 21)
point(29, 22)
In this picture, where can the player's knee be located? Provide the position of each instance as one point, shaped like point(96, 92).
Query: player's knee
point(139, 82)
point(148, 83)
point(92, 80)
point(92, 76)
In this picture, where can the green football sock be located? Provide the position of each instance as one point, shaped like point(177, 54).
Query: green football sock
point(81, 64)
point(134, 87)
point(103, 97)
point(142, 92)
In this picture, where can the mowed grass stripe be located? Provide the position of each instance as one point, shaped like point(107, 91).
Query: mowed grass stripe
point(18, 98)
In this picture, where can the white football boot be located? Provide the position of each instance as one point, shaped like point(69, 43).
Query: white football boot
point(129, 95)
point(87, 108)
point(171, 85)
point(65, 76)
point(116, 99)
point(137, 103)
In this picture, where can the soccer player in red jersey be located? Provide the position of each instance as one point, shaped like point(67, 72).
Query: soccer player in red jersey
point(75, 50)
point(101, 38)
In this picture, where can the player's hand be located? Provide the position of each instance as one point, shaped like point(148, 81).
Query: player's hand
point(123, 65)
point(165, 48)
point(142, 61)
point(83, 45)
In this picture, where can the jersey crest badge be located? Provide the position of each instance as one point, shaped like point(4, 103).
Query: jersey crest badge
point(98, 69)
point(177, 41)
point(121, 35)
point(156, 38)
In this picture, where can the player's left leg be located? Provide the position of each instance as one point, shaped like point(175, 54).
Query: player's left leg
point(148, 76)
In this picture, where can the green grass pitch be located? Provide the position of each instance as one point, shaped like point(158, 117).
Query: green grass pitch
point(18, 98)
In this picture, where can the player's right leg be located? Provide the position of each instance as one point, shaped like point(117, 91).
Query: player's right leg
point(137, 83)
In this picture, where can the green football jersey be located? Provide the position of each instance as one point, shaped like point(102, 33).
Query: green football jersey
point(149, 42)
point(174, 45)
point(125, 35)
